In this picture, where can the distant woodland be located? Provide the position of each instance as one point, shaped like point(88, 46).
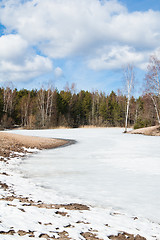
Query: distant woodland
point(49, 108)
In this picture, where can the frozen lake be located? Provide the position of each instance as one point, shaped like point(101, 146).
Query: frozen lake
point(105, 168)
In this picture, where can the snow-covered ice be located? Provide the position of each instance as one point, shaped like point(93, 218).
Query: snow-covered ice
point(116, 174)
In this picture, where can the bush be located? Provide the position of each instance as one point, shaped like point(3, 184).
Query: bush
point(141, 123)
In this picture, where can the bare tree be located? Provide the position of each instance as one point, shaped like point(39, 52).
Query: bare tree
point(41, 104)
point(129, 77)
point(45, 104)
point(25, 104)
point(8, 96)
point(152, 82)
point(49, 103)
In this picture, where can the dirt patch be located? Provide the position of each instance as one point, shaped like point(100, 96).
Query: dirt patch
point(10, 143)
point(150, 131)
point(61, 213)
point(44, 235)
point(124, 236)
point(82, 222)
point(4, 173)
point(23, 200)
point(90, 236)
point(62, 236)
point(47, 224)
point(10, 232)
point(73, 206)
point(4, 186)
point(23, 233)
point(27, 202)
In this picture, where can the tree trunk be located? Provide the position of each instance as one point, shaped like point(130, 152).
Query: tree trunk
point(156, 109)
point(126, 122)
point(129, 79)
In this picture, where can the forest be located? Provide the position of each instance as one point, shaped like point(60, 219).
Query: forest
point(49, 108)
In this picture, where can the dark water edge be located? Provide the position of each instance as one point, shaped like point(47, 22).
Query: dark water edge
point(69, 142)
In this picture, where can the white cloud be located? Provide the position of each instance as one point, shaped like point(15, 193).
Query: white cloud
point(18, 61)
point(139, 29)
point(58, 72)
point(30, 69)
point(60, 28)
point(104, 33)
point(117, 56)
point(12, 47)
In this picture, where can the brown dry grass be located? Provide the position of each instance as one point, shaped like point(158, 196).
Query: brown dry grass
point(150, 131)
point(10, 143)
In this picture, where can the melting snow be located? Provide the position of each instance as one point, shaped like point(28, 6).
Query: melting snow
point(116, 174)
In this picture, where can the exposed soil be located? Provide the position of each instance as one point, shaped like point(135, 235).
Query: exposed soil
point(10, 143)
point(150, 131)
point(90, 236)
point(123, 236)
point(73, 206)
point(39, 204)
point(4, 186)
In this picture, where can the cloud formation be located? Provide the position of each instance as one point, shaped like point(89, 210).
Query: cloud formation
point(18, 61)
point(103, 33)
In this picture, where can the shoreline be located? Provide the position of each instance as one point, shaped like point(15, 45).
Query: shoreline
point(17, 140)
point(20, 204)
point(148, 131)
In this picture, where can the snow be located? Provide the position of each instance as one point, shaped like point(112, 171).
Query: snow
point(116, 174)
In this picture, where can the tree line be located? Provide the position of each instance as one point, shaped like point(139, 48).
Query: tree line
point(49, 108)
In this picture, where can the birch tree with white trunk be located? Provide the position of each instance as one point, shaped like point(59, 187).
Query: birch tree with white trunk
point(45, 104)
point(25, 106)
point(152, 83)
point(8, 96)
point(129, 77)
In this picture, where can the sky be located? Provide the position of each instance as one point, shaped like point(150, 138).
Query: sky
point(86, 42)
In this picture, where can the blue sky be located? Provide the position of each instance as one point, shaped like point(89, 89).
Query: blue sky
point(87, 42)
point(141, 5)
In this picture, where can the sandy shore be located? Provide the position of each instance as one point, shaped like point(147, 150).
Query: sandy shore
point(149, 131)
point(10, 143)
point(34, 219)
